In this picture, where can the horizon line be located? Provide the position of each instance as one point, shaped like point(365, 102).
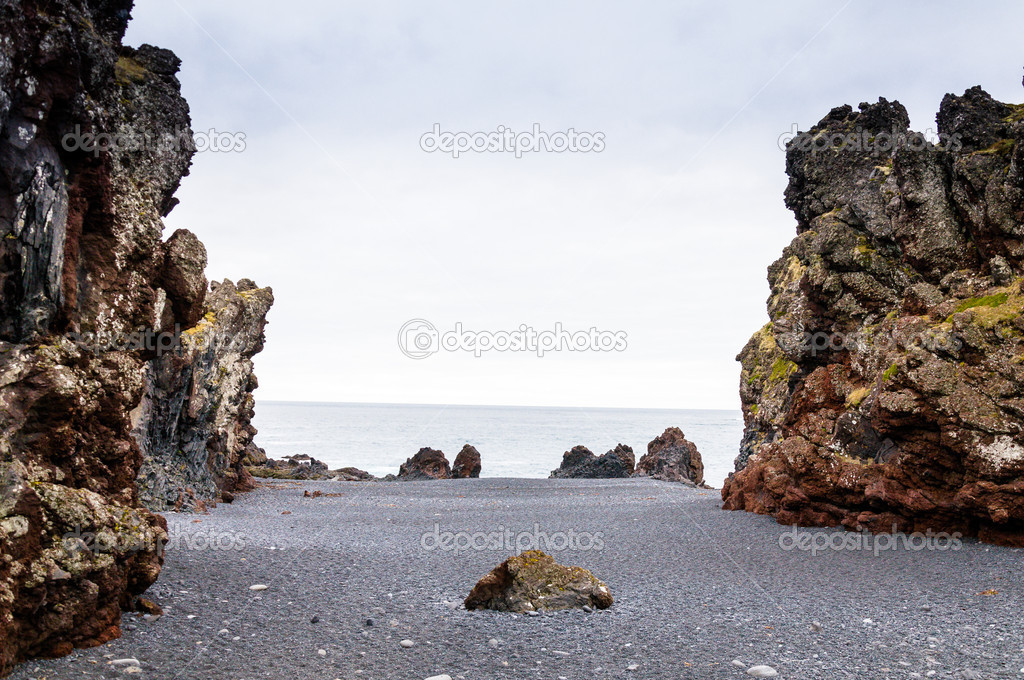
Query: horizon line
point(518, 406)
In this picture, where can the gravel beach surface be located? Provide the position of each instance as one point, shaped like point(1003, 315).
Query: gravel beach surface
point(357, 583)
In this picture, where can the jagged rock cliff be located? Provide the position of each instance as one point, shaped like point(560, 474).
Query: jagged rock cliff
point(194, 422)
point(89, 292)
point(888, 389)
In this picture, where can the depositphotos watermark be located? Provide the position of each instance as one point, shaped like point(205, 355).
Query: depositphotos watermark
point(150, 340)
point(822, 342)
point(815, 542)
point(504, 539)
point(866, 141)
point(419, 339)
point(133, 540)
point(97, 143)
point(507, 140)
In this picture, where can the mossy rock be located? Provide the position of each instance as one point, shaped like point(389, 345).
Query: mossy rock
point(127, 70)
point(533, 581)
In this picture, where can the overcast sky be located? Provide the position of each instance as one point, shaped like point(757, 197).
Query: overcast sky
point(665, 234)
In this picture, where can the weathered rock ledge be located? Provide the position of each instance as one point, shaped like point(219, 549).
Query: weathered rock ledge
point(194, 424)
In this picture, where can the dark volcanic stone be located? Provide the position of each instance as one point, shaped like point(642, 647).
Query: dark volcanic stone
point(581, 463)
point(426, 464)
point(467, 463)
point(673, 458)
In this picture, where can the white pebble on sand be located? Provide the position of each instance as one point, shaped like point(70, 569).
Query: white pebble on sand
point(440, 677)
point(407, 643)
point(130, 661)
point(762, 671)
point(258, 587)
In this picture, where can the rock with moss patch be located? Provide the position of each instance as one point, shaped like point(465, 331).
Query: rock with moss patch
point(534, 582)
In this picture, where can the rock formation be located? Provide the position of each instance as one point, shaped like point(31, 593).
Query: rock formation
point(673, 458)
point(194, 423)
point(426, 464)
point(301, 467)
point(533, 581)
point(467, 463)
point(888, 389)
point(581, 463)
point(81, 259)
point(94, 140)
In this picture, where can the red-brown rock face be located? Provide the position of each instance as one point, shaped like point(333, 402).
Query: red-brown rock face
point(467, 463)
point(888, 389)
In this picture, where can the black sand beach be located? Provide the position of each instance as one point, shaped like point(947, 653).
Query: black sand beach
point(700, 593)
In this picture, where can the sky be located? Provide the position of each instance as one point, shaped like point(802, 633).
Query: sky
point(663, 236)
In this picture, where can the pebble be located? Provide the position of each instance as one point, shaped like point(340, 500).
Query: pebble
point(315, 619)
point(407, 643)
point(440, 677)
point(588, 609)
point(258, 587)
point(533, 613)
point(816, 626)
point(322, 652)
point(738, 663)
point(762, 671)
point(633, 667)
point(129, 661)
point(493, 642)
point(369, 623)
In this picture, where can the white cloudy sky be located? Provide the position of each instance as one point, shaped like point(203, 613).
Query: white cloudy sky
point(665, 235)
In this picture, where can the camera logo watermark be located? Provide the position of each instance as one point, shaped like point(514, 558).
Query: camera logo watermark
point(507, 140)
point(97, 143)
point(507, 540)
point(866, 141)
point(419, 339)
point(820, 541)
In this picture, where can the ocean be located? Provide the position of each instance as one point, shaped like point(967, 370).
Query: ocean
point(513, 441)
